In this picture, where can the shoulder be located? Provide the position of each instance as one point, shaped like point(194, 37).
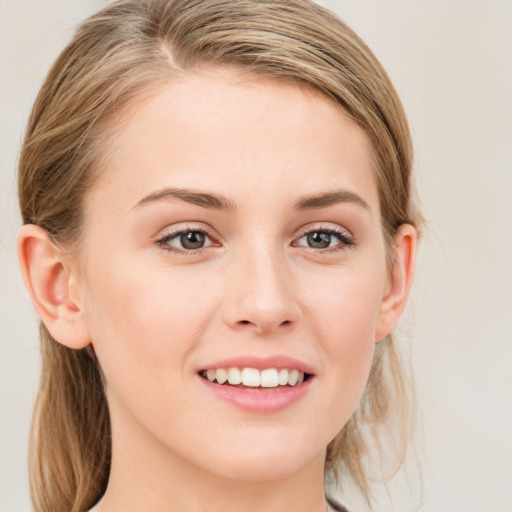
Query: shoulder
point(334, 505)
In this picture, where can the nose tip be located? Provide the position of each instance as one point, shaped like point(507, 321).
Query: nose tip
point(261, 299)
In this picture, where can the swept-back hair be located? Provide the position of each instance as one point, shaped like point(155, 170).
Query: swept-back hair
point(120, 56)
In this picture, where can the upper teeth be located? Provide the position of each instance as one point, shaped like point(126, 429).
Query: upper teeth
point(269, 378)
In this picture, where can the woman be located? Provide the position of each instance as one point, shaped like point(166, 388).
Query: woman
point(219, 238)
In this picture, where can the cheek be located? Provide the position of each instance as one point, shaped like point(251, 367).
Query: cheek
point(144, 324)
point(347, 308)
point(144, 319)
point(346, 313)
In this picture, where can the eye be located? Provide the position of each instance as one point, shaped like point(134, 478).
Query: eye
point(189, 240)
point(325, 239)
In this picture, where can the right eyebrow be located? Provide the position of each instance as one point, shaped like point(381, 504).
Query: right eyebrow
point(203, 199)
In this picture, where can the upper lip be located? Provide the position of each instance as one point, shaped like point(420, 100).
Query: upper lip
point(261, 363)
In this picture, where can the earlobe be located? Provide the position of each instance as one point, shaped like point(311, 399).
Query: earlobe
point(400, 280)
point(48, 281)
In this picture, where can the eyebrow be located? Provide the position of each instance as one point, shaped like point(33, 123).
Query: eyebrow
point(203, 199)
point(219, 202)
point(330, 198)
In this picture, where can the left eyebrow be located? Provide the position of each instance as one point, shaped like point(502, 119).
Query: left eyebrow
point(325, 199)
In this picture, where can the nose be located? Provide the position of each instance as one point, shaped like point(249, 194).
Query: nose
point(261, 294)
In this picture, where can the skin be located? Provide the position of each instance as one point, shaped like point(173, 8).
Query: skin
point(156, 317)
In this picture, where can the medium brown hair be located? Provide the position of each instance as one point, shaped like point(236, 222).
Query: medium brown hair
point(121, 55)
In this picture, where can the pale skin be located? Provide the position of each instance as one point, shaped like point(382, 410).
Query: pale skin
point(257, 287)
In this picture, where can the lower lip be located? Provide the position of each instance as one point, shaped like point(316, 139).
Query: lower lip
point(259, 400)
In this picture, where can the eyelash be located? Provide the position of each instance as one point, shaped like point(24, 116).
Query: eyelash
point(162, 242)
point(345, 239)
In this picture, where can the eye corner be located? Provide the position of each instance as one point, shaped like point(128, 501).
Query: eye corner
point(329, 234)
point(205, 240)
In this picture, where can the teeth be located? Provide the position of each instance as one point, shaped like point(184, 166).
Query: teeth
point(251, 377)
point(283, 377)
point(269, 378)
point(221, 375)
point(234, 376)
point(293, 377)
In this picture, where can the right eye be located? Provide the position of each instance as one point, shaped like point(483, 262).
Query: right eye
point(186, 241)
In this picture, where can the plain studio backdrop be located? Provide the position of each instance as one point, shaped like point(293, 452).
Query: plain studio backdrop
point(451, 61)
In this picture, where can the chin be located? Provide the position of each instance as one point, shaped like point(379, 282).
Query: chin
point(261, 463)
point(271, 469)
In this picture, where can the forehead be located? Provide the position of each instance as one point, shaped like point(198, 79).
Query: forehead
point(236, 131)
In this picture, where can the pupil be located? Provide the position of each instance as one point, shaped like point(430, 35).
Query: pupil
point(192, 240)
point(319, 240)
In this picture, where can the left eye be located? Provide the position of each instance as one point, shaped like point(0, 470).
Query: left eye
point(324, 239)
point(186, 240)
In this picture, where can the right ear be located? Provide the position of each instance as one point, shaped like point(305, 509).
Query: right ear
point(52, 286)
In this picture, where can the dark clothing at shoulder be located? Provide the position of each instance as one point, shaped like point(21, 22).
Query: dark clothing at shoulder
point(335, 505)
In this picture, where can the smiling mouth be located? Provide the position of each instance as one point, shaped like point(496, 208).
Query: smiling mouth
point(251, 378)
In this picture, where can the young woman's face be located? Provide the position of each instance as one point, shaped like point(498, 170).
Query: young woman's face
point(236, 225)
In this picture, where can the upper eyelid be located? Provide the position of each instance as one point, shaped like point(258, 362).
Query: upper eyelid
point(344, 237)
point(162, 239)
point(323, 227)
point(169, 232)
point(334, 229)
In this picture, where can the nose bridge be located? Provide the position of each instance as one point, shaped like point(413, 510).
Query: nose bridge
point(261, 294)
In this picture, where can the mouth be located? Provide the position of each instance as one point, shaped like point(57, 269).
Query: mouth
point(258, 385)
point(252, 378)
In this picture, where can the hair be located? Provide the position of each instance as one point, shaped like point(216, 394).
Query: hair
point(121, 55)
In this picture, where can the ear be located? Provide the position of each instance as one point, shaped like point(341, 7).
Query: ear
point(52, 286)
point(399, 282)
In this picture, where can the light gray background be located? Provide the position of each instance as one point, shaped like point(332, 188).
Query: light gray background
point(451, 61)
